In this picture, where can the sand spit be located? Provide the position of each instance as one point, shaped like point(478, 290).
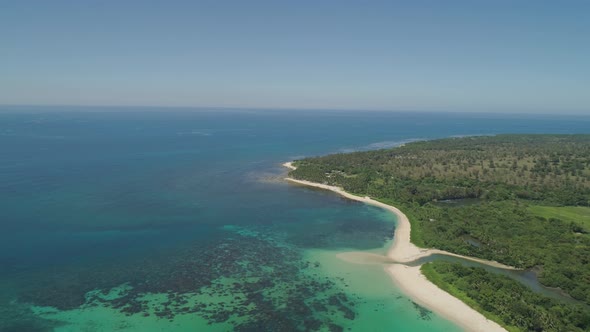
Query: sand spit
point(290, 165)
point(409, 278)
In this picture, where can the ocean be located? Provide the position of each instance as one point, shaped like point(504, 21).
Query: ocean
point(167, 219)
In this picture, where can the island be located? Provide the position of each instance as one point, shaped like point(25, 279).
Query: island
point(511, 201)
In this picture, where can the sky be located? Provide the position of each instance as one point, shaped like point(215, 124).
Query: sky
point(467, 56)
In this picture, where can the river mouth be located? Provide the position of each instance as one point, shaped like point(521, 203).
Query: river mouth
point(527, 277)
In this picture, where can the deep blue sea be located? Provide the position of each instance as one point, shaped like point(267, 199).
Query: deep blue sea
point(139, 219)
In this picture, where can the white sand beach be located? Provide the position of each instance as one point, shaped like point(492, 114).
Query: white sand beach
point(409, 278)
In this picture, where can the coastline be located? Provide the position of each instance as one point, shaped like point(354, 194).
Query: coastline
point(409, 278)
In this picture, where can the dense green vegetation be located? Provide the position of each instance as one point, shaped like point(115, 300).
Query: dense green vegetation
point(549, 168)
point(517, 199)
point(506, 301)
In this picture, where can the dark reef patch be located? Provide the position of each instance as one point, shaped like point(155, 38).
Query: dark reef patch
point(252, 282)
point(423, 313)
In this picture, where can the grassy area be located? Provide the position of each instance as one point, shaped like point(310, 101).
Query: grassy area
point(431, 274)
point(576, 214)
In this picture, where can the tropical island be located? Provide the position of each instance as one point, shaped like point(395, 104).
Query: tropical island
point(518, 200)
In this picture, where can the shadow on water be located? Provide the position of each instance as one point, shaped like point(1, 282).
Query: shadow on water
point(526, 277)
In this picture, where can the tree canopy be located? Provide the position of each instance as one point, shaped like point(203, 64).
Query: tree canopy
point(493, 197)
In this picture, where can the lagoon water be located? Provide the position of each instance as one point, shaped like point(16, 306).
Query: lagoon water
point(136, 219)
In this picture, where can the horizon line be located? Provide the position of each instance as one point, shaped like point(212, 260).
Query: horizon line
point(279, 108)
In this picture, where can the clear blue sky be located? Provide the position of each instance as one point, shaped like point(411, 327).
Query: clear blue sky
point(505, 56)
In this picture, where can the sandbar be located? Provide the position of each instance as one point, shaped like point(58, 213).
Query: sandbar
point(410, 279)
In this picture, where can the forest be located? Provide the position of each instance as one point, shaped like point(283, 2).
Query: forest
point(522, 200)
point(506, 301)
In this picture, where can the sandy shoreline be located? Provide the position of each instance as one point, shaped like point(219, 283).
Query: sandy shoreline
point(409, 278)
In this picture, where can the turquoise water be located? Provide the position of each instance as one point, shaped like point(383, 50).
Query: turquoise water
point(151, 219)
